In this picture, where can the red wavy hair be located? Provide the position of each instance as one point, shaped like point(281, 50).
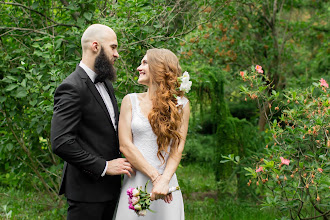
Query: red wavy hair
point(165, 117)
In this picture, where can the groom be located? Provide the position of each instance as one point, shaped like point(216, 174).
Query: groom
point(84, 130)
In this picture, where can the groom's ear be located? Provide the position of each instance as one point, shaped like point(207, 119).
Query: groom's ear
point(95, 46)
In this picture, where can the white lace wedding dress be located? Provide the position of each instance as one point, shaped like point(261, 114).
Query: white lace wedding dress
point(146, 141)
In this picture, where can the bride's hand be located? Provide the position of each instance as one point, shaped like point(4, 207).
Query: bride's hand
point(160, 188)
point(168, 198)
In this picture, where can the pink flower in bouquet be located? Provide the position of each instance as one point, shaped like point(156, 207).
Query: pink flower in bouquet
point(259, 69)
point(320, 170)
point(130, 192)
point(135, 200)
point(260, 169)
point(284, 161)
point(131, 206)
point(324, 83)
point(142, 213)
point(139, 200)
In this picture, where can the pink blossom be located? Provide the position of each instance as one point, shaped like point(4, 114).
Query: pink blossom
point(129, 200)
point(285, 161)
point(259, 169)
point(259, 69)
point(324, 83)
point(135, 200)
point(131, 206)
point(142, 213)
point(320, 170)
point(242, 73)
point(130, 192)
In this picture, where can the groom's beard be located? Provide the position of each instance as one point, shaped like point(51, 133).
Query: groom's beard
point(104, 68)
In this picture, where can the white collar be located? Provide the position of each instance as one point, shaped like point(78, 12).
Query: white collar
point(91, 74)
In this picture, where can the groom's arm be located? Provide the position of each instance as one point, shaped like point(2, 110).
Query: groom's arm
point(66, 117)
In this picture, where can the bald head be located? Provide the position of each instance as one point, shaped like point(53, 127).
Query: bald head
point(96, 32)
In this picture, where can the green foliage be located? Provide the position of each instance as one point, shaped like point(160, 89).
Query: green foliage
point(40, 46)
point(293, 171)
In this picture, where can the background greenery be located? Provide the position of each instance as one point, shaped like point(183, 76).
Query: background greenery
point(214, 39)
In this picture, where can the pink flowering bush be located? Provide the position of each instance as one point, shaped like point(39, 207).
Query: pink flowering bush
point(293, 172)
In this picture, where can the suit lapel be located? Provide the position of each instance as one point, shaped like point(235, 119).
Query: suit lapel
point(98, 97)
point(111, 92)
point(94, 91)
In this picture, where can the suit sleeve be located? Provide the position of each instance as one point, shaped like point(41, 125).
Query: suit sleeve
point(66, 117)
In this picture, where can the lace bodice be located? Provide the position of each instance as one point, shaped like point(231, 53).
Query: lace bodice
point(143, 136)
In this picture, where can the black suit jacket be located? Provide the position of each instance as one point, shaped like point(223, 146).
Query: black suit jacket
point(83, 135)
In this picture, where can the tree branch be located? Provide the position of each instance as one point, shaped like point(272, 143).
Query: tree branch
point(39, 13)
point(323, 215)
point(74, 15)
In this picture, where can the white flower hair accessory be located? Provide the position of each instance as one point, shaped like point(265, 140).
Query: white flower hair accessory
point(185, 83)
point(180, 101)
point(185, 86)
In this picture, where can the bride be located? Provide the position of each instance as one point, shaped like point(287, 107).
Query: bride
point(152, 131)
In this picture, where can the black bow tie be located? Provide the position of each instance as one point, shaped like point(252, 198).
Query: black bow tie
point(99, 79)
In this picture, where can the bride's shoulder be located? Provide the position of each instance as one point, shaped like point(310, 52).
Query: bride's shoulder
point(131, 97)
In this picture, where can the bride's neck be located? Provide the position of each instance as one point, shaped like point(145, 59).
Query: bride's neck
point(151, 92)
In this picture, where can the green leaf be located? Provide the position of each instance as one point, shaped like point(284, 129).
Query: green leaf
point(23, 83)
point(21, 92)
point(294, 95)
point(3, 99)
point(14, 78)
point(11, 87)
point(88, 16)
point(262, 88)
point(10, 146)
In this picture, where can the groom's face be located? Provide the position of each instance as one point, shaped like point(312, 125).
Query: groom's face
point(103, 67)
point(110, 46)
point(106, 58)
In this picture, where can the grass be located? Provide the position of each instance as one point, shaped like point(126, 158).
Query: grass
point(201, 200)
point(198, 186)
point(24, 204)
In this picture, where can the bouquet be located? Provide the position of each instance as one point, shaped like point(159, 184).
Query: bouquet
point(139, 200)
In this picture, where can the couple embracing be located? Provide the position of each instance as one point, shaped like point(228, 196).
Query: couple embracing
point(88, 134)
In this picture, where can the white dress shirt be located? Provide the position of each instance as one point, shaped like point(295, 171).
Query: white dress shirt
point(105, 97)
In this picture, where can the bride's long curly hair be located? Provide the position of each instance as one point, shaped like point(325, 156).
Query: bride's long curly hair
point(165, 117)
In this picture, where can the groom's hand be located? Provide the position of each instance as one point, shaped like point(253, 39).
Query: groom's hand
point(119, 166)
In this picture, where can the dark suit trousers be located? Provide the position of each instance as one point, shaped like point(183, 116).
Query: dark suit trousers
point(91, 210)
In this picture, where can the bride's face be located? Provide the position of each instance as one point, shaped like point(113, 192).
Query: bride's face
point(143, 69)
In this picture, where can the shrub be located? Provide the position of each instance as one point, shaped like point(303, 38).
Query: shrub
point(293, 171)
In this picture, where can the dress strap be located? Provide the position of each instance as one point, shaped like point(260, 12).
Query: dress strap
point(185, 101)
point(134, 101)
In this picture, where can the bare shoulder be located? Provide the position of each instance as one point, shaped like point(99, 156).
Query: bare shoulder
point(141, 95)
point(126, 102)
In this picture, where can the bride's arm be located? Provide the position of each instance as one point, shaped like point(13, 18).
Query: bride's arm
point(161, 186)
point(130, 151)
